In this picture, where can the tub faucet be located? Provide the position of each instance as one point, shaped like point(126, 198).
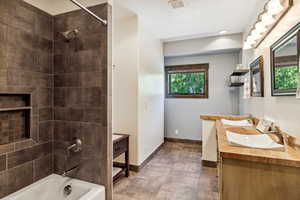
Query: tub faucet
point(75, 147)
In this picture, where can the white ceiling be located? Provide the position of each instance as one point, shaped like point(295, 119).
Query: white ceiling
point(55, 7)
point(199, 18)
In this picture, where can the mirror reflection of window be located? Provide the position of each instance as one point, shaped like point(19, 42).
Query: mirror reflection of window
point(257, 77)
point(286, 66)
point(298, 89)
point(256, 83)
point(285, 63)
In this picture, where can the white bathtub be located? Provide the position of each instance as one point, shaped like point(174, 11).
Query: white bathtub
point(52, 188)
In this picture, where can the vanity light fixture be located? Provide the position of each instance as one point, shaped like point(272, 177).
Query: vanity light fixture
point(267, 19)
point(272, 13)
point(260, 27)
point(274, 7)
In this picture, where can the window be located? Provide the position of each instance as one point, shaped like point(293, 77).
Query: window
point(187, 81)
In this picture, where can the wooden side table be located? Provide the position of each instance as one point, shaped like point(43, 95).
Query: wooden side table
point(120, 147)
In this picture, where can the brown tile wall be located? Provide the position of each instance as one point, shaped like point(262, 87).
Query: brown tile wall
point(68, 83)
point(13, 126)
point(80, 94)
point(26, 66)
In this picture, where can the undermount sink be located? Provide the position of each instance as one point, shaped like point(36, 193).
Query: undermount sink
point(261, 141)
point(237, 123)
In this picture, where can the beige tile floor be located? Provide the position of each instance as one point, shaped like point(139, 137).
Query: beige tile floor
point(175, 173)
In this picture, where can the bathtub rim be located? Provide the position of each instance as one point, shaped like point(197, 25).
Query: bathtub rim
point(93, 187)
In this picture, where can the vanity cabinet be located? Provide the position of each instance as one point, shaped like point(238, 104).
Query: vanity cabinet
point(209, 140)
point(256, 174)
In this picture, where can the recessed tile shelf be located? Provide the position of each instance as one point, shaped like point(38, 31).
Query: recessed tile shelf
point(15, 112)
point(15, 109)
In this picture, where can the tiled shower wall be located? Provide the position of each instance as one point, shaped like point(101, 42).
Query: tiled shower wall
point(80, 94)
point(68, 83)
point(26, 65)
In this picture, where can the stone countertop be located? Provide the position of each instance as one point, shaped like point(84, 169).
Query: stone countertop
point(228, 117)
point(116, 137)
point(289, 157)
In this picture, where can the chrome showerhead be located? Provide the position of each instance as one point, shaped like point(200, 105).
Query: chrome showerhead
point(69, 35)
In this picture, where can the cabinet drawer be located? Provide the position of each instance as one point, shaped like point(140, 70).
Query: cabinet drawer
point(120, 147)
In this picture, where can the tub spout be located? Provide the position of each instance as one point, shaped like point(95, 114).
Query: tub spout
point(67, 172)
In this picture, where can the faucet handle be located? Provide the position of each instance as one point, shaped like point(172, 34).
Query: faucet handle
point(76, 146)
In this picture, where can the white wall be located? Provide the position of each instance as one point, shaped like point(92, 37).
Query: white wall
point(151, 94)
point(184, 114)
point(138, 85)
point(203, 45)
point(125, 79)
point(284, 110)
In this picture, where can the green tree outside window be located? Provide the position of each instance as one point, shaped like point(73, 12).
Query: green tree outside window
point(286, 77)
point(187, 83)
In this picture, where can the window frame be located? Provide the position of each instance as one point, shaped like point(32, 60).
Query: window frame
point(187, 69)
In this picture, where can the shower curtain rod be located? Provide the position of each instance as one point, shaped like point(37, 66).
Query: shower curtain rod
point(89, 12)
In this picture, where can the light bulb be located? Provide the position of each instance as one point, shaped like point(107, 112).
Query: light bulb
point(247, 46)
point(250, 40)
point(260, 27)
point(267, 19)
point(274, 7)
point(255, 34)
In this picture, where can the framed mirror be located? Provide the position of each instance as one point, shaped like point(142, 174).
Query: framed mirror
point(285, 63)
point(257, 77)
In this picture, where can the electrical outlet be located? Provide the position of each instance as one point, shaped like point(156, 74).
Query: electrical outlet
point(176, 132)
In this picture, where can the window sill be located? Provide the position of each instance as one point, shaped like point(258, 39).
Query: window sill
point(187, 97)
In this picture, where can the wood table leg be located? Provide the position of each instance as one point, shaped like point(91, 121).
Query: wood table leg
point(127, 163)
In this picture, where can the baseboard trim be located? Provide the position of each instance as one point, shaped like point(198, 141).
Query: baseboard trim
point(183, 140)
point(150, 157)
point(137, 168)
point(207, 163)
point(134, 168)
